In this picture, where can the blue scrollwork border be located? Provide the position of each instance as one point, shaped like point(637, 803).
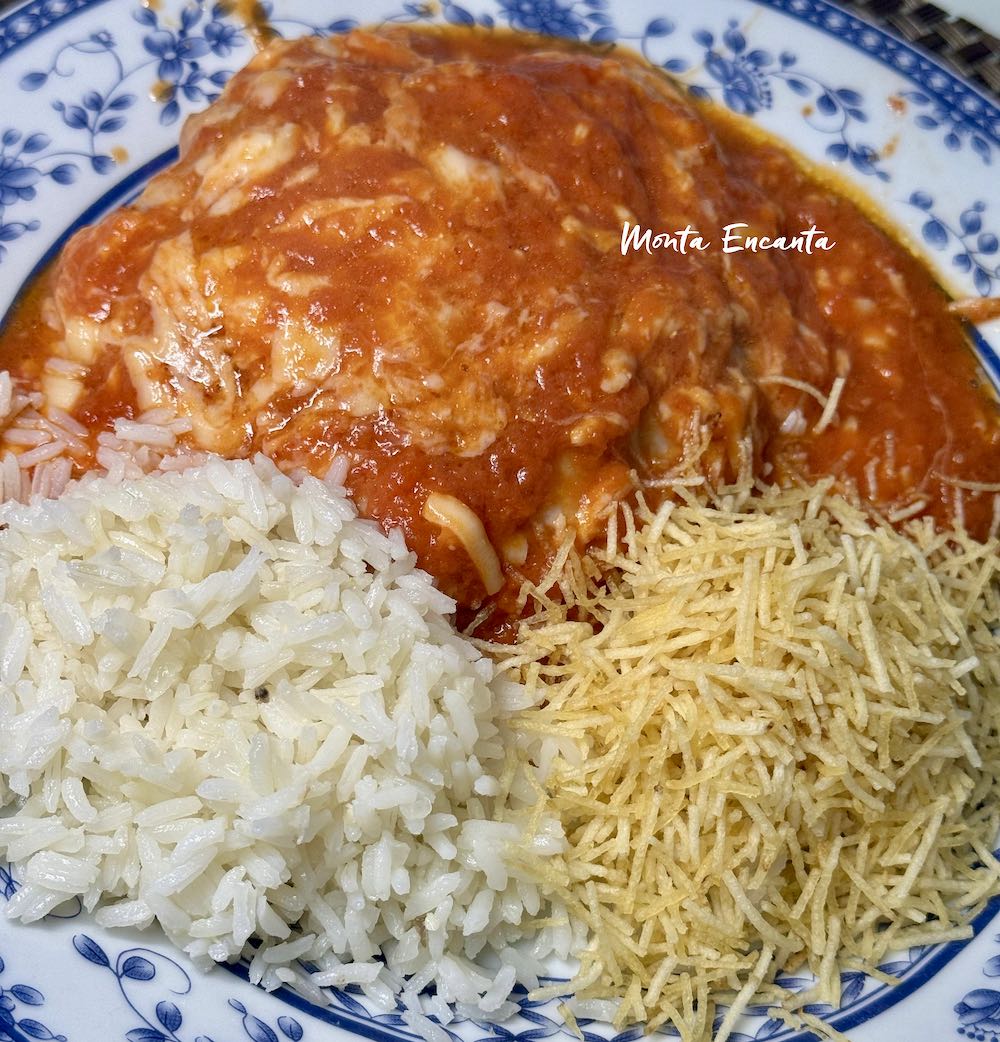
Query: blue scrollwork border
point(965, 101)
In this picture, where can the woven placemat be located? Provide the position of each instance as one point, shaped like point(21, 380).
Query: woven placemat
point(956, 42)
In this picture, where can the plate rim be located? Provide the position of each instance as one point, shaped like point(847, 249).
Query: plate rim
point(883, 47)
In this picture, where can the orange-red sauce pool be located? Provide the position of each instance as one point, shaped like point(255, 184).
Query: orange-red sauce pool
point(405, 246)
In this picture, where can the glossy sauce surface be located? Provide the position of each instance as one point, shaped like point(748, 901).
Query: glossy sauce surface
point(405, 246)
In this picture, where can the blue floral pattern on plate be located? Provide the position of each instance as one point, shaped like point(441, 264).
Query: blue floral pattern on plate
point(958, 128)
point(172, 57)
point(747, 77)
point(142, 974)
point(17, 1000)
point(173, 67)
point(976, 249)
point(162, 1007)
point(87, 74)
point(978, 1011)
point(26, 162)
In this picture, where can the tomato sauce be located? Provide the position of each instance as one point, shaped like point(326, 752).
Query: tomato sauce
point(405, 246)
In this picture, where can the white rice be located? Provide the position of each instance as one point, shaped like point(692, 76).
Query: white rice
point(229, 705)
point(40, 443)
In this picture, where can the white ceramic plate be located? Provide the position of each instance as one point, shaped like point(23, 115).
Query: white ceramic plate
point(81, 130)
